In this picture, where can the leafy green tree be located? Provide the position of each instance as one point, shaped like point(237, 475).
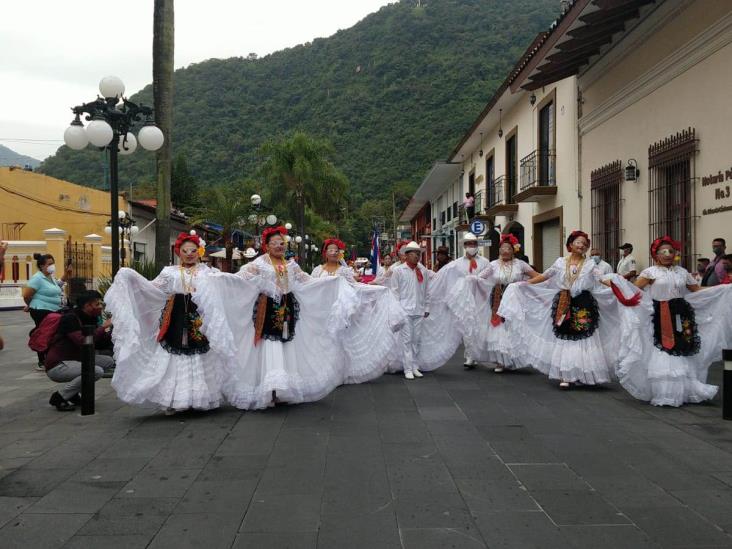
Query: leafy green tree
point(228, 205)
point(183, 188)
point(302, 176)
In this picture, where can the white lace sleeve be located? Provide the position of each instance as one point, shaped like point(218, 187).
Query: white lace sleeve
point(164, 281)
point(486, 273)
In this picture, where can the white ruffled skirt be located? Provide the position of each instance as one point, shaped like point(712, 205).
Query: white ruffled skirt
point(662, 379)
point(146, 374)
point(305, 369)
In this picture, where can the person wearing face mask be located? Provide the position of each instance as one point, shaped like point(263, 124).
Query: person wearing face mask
point(452, 308)
point(44, 292)
point(163, 358)
point(715, 271)
point(727, 262)
point(369, 342)
point(627, 267)
point(490, 341)
point(568, 321)
point(681, 329)
point(603, 266)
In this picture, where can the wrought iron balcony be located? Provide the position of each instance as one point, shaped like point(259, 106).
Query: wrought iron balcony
point(497, 204)
point(538, 176)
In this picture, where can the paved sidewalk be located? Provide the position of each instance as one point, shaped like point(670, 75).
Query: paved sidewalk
point(457, 459)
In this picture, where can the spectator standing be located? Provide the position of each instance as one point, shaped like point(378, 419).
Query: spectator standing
point(469, 205)
point(627, 267)
point(715, 271)
point(44, 292)
point(701, 267)
point(442, 257)
point(604, 267)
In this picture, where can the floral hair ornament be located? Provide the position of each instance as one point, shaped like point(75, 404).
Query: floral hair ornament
point(186, 237)
point(269, 232)
point(574, 235)
point(510, 239)
point(675, 244)
point(339, 243)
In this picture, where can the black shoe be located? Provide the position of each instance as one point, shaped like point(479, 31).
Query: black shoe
point(76, 399)
point(469, 366)
point(60, 403)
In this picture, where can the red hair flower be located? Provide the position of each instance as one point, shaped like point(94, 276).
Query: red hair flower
point(183, 238)
point(269, 232)
point(574, 235)
point(339, 243)
point(664, 240)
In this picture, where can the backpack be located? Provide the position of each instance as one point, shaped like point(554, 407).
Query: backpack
point(42, 336)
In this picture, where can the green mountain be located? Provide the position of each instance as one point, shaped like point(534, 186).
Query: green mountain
point(8, 157)
point(393, 93)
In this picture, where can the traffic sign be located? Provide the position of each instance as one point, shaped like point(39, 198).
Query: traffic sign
point(477, 227)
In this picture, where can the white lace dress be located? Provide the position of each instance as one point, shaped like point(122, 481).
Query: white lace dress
point(671, 372)
point(368, 343)
point(298, 363)
point(490, 340)
point(151, 372)
point(584, 347)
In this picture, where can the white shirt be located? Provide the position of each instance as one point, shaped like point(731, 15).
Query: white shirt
point(626, 265)
point(411, 294)
point(587, 278)
point(505, 273)
point(668, 282)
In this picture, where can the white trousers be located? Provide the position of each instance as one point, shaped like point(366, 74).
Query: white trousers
point(410, 334)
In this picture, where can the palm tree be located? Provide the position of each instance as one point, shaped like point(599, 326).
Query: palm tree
point(227, 205)
point(301, 173)
point(163, 48)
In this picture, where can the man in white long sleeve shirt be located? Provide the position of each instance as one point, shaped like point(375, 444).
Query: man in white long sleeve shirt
point(603, 266)
point(410, 283)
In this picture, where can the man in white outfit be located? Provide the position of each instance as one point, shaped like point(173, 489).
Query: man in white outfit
point(470, 264)
point(410, 283)
point(604, 267)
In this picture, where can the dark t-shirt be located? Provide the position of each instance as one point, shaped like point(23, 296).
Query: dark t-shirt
point(66, 344)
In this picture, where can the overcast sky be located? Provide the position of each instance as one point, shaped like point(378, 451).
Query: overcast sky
point(54, 52)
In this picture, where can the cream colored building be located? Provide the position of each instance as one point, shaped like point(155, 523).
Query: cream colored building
point(519, 159)
point(654, 80)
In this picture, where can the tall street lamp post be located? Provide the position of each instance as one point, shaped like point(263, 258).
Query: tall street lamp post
point(127, 229)
point(111, 118)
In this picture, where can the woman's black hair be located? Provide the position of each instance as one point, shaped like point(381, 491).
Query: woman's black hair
point(41, 259)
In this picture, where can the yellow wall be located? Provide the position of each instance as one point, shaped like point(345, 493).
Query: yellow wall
point(44, 202)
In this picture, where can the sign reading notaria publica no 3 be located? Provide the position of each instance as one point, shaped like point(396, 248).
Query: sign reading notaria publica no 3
point(721, 192)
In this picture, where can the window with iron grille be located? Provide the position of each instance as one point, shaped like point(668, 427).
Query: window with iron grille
point(442, 217)
point(671, 189)
point(454, 209)
point(606, 223)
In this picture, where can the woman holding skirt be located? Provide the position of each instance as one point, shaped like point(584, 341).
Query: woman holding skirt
point(491, 341)
point(568, 323)
point(163, 359)
point(683, 330)
point(368, 344)
point(277, 327)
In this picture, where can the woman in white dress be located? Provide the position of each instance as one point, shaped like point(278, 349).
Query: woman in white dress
point(565, 322)
point(491, 341)
point(683, 330)
point(163, 359)
point(369, 342)
point(277, 327)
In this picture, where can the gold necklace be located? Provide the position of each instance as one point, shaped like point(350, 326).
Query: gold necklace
point(505, 271)
point(572, 275)
point(188, 286)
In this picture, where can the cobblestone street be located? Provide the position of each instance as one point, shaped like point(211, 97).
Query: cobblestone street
point(457, 459)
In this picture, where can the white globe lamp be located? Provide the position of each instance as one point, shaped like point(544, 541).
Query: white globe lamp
point(111, 86)
point(150, 138)
point(75, 136)
point(127, 147)
point(99, 133)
